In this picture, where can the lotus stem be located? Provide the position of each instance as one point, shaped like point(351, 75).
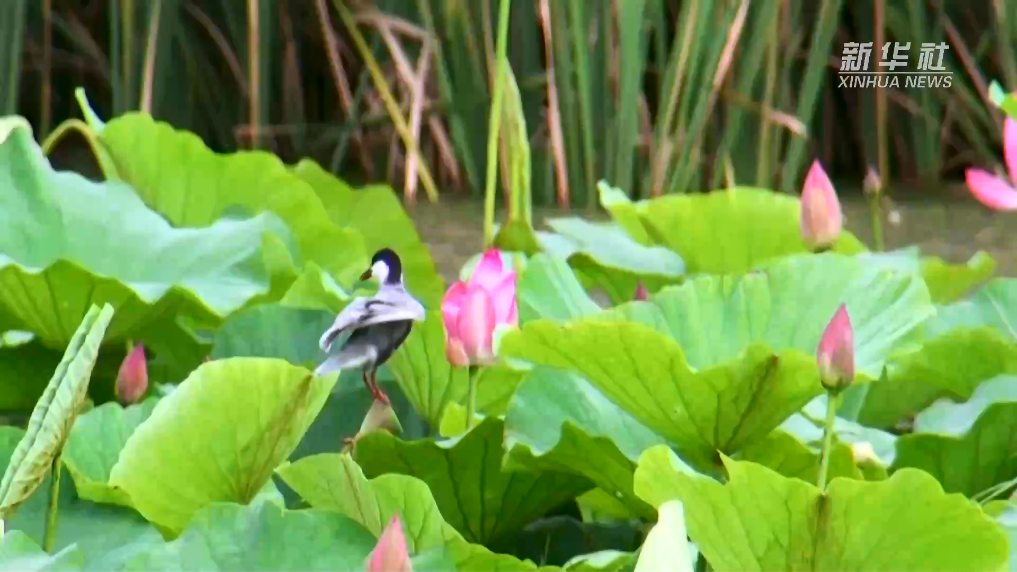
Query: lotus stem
point(493, 124)
point(876, 208)
point(824, 463)
point(471, 397)
point(992, 492)
point(49, 541)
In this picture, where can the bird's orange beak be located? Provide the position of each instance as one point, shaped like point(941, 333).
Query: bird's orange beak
point(366, 275)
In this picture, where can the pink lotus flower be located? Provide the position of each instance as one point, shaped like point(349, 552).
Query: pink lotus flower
point(821, 217)
point(132, 379)
point(993, 191)
point(836, 352)
point(472, 310)
point(390, 554)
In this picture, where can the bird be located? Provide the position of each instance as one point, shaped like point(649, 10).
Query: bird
point(377, 325)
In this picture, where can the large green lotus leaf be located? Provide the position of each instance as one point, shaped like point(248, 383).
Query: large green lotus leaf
point(55, 412)
point(785, 454)
point(966, 343)
point(972, 462)
point(217, 437)
point(549, 289)
point(475, 495)
point(423, 371)
point(335, 482)
point(1005, 513)
point(192, 186)
point(19, 553)
point(787, 305)
point(94, 445)
point(262, 536)
point(495, 388)
point(720, 361)
point(557, 421)
point(315, 289)
point(646, 374)
point(272, 330)
point(609, 258)
point(732, 230)
point(58, 245)
point(950, 282)
point(947, 282)
point(624, 212)
point(104, 535)
point(948, 417)
point(377, 213)
point(760, 520)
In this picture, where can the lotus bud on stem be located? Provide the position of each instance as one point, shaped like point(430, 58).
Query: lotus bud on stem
point(835, 357)
point(872, 187)
point(132, 378)
point(821, 218)
point(641, 293)
point(380, 417)
point(391, 553)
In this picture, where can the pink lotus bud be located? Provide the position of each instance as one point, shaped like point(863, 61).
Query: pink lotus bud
point(992, 191)
point(820, 217)
point(836, 352)
point(132, 379)
point(472, 310)
point(390, 554)
point(641, 293)
point(872, 184)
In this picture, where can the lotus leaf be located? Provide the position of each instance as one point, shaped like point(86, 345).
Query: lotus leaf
point(607, 257)
point(262, 536)
point(549, 289)
point(557, 421)
point(59, 255)
point(217, 437)
point(377, 214)
point(974, 446)
point(760, 520)
point(148, 155)
point(965, 344)
point(475, 495)
point(728, 231)
point(719, 362)
point(94, 445)
point(54, 414)
point(336, 482)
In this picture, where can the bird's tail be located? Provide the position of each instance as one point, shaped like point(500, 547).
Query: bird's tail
point(350, 357)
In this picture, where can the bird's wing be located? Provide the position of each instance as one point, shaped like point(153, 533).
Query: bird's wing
point(367, 311)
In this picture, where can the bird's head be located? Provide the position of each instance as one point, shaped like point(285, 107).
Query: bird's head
point(385, 266)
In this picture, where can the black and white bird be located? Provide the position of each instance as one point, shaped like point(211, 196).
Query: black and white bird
point(377, 325)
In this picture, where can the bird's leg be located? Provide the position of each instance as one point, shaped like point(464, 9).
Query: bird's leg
point(367, 382)
point(376, 391)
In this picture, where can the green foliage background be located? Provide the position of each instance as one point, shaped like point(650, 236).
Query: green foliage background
point(655, 96)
